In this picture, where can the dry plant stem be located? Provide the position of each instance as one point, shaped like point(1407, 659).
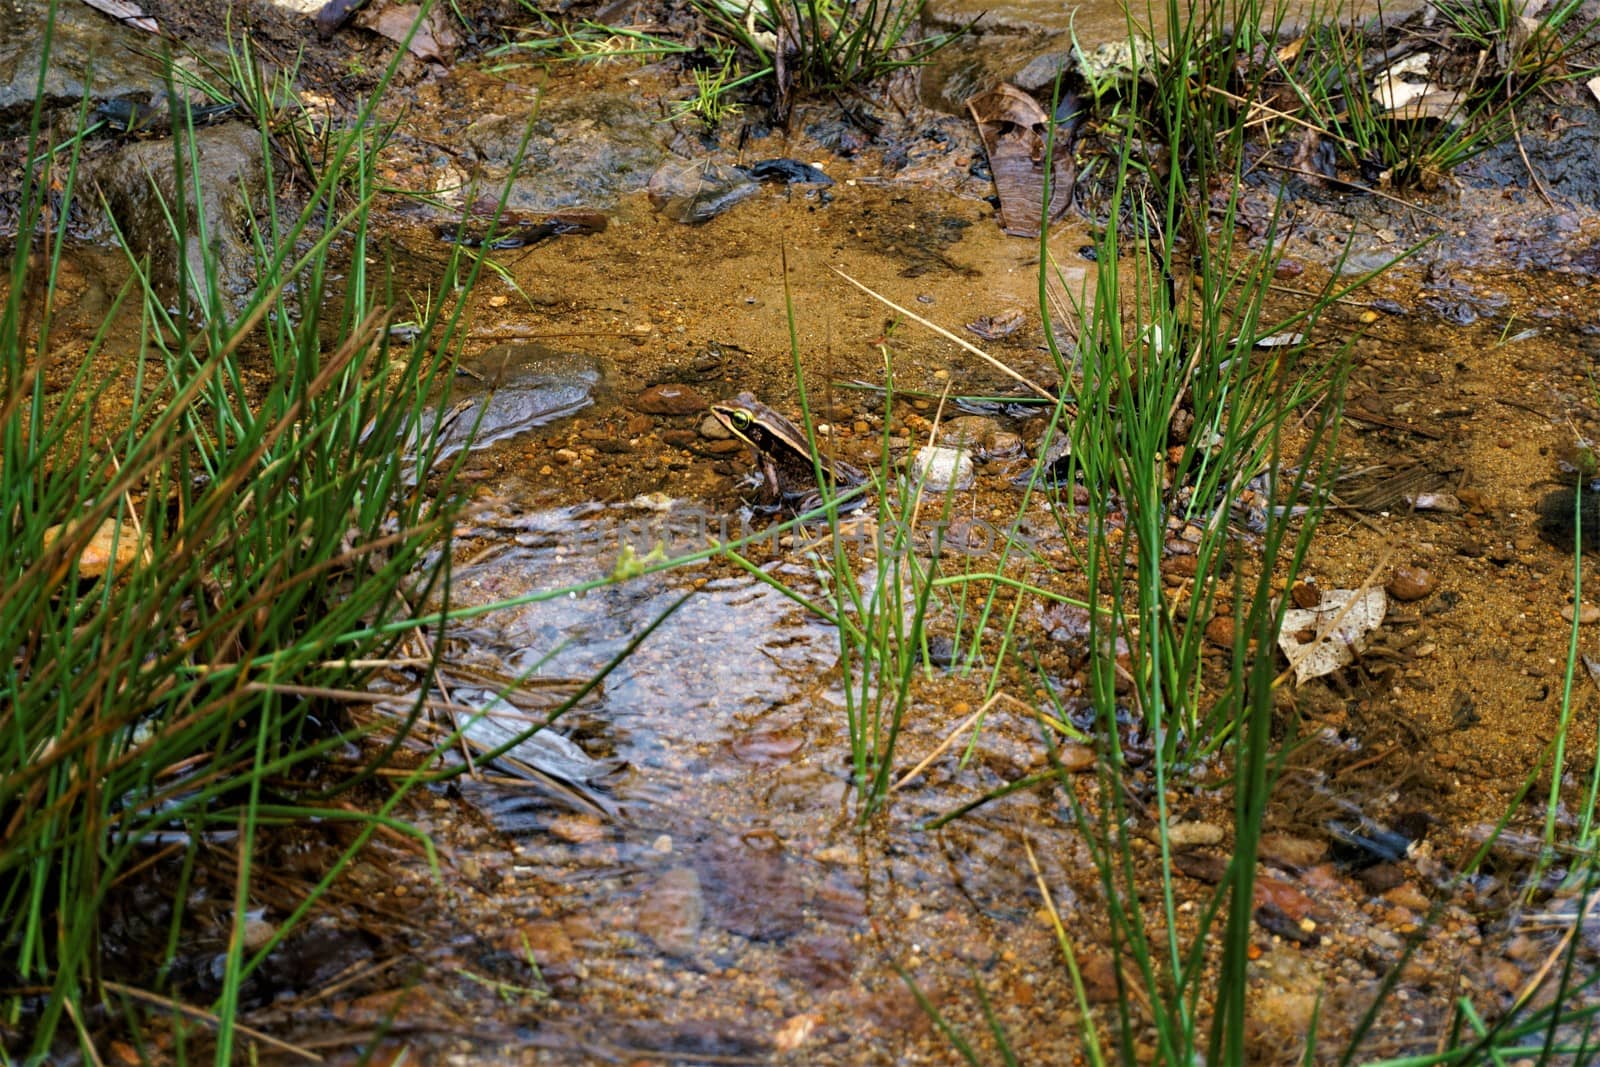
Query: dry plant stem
point(394, 837)
point(1258, 108)
point(1347, 301)
point(422, 641)
point(933, 437)
point(202, 1016)
point(1367, 189)
point(354, 696)
point(944, 746)
point(947, 335)
point(1139, 992)
point(341, 983)
point(512, 333)
point(1516, 135)
point(71, 1009)
point(1573, 923)
point(531, 776)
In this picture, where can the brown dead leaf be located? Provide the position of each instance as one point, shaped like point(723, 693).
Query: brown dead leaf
point(434, 41)
point(1014, 129)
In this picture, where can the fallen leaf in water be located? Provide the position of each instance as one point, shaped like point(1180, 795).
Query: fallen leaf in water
point(434, 40)
point(1338, 629)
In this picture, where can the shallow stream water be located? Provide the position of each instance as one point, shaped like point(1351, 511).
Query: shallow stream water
point(718, 899)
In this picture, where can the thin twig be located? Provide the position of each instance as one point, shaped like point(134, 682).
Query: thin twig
point(203, 1016)
point(1272, 112)
point(947, 335)
point(1516, 135)
point(1589, 908)
point(1369, 190)
point(944, 746)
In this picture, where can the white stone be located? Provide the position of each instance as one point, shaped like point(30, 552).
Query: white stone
point(943, 469)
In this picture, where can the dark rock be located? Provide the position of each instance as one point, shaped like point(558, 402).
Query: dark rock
point(1305, 595)
point(1207, 867)
point(1381, 877)
point(1041, 72)
point(140, 182)
point(1275, 922)
point(590, 149)
point(752, 886)
point(1220, 631)
point(788, 171)
point(91, 56)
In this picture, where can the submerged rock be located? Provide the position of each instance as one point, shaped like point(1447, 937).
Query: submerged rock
point(512, 388)
point(671, 912)
point(699, 192)
point(752, 886)
point(588, 150)
point(941, 469)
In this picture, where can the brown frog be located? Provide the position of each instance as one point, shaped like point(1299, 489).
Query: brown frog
point(788, 465)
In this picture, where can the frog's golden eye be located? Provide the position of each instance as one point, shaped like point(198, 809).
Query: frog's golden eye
point(741, 419)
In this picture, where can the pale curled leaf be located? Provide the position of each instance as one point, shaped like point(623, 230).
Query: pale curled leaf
point(1339, 628)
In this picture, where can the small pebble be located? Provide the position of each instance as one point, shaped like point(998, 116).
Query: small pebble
point(1406, 895)
point(1190, 834)
point(1410, 583)
point(1587, 614)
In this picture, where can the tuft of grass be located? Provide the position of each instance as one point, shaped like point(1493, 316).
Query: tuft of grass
point(827, 45)
point(1406, 109)
point(714, 87)
point(549, 40)
point(265, 543)
point(803, 46)
point(1178, 416)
